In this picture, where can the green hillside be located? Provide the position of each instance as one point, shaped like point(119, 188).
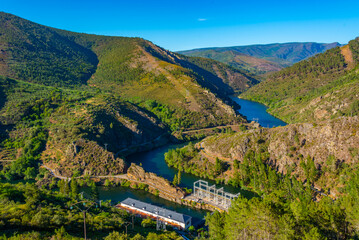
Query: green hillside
point(39, 54)
point(322, 87)
point(261, 59)
point(132, 68)
point(73, 101)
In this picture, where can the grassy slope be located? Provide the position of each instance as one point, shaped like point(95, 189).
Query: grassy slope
point(321, 87)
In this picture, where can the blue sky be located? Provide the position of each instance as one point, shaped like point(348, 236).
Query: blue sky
point(179, 25)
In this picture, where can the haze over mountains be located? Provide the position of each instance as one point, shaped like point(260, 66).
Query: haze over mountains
point(261, 59)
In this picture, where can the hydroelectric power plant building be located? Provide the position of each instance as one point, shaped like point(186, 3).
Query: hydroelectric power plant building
point(148, 210)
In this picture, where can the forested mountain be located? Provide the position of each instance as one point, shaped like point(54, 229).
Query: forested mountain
point(322, 87)
point(74, 100)
point(260, 59)
point(36, 53)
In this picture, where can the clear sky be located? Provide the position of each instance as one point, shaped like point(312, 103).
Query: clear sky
point(188, 24)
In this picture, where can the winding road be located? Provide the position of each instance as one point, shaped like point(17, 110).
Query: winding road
point(52, 171)
point(121, 176)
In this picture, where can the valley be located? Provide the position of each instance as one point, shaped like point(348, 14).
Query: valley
point(89, 120)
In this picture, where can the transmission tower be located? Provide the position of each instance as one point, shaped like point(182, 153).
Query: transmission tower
point(160, 225)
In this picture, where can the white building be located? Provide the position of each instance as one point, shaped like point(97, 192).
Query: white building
point(148, 210)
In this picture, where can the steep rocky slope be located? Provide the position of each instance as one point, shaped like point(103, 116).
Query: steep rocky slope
point(331, 145)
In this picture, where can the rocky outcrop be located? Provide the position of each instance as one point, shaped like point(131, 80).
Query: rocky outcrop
point(337, 138)
point(85, 157)
point(165, 190)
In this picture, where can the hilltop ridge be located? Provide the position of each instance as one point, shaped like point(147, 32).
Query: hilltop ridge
point(262, 58)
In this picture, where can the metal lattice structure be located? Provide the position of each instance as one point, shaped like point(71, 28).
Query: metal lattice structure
point(202, 190)
point(160, 225)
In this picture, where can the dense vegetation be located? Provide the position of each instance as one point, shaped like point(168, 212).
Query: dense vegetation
point(68, 129)
point(27, 212)
point(131, 68)
point(188, 160)
point(321, 87)
point(287, 208)
point(73, 101)
point(76, 102)
point(41, 55)
point(284, 205)
point(297, 181)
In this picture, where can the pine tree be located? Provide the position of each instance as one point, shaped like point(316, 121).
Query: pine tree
point(74, 187)
point(94, 192)
point(66, 187)
point(179, 177)
point(175, 180)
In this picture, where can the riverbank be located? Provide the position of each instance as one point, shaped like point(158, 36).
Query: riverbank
point(138, 179)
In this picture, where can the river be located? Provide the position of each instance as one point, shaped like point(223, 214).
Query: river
point(153, 161)
point(255, 111)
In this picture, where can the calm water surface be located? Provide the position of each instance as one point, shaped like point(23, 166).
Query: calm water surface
point(255, 111)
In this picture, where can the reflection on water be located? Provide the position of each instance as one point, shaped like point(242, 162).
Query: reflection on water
point(154, 161)
point(255, 111)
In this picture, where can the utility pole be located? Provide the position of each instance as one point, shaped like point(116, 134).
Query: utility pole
point(84, 211)
point(133, 221)
point(126, 225)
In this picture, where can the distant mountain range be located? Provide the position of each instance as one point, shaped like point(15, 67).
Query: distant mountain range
point(261, 59)
point(322, 87)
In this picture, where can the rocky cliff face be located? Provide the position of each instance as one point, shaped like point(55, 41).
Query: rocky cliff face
point(287, 145)
point(83, 156)
point(165, 190)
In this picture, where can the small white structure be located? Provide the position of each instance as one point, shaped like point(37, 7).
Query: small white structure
point(148, 210)
point(202, 190)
